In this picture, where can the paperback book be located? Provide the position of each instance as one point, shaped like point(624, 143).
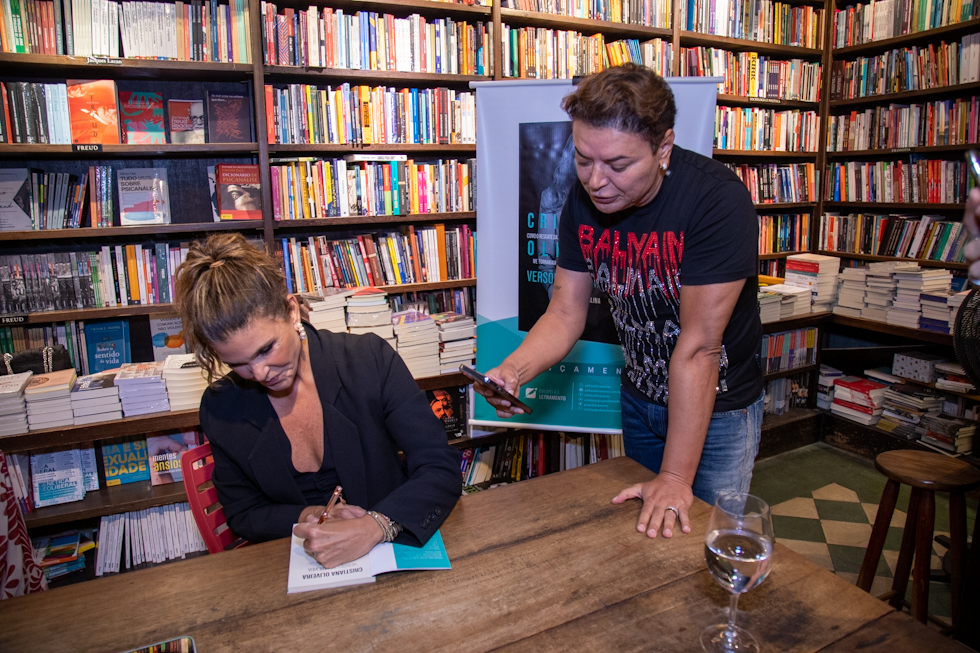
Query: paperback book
point(164, 452)
point(239, 191)
point(229, 118)
point(107, 344)
point(167, 337)
point(15, 199)
point(93, 112)
point(186, 121)
point(142, 118)
point(125, 462)
point(144, 196)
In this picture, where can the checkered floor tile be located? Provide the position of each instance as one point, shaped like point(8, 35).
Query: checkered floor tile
point(824, 502)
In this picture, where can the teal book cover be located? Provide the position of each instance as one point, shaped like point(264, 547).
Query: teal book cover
point(108, 344)
point(125, 462)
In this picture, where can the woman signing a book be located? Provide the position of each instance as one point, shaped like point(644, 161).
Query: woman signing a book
point(304, 411)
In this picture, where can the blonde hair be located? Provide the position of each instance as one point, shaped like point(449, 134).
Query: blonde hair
point(223, 285)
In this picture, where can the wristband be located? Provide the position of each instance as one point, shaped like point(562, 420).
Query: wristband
point(390, 528)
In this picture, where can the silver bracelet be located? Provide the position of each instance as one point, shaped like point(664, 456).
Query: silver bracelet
point(388, 527)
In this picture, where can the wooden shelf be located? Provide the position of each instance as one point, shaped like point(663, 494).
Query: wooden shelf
point(946, 32)
point(789, 417)
point(895, 330)
point(287, 149)
point(905, 96)
point(73, 435)
point(902, 151)
point(374, 220)
point(895, 206)
point(64, 66)
point(798, 322)
point(517, 18)
point(443, 381)
point(766, 209)
point(299, 73)
point(428, 7)
point(109, 501)
point(874, 257)
point(965, 395)
point(127, 232)
point(123, 151)
point(778, 255)
point(771, 376)
point(742, 101)
point(689, 39)
point(45, 317)
point(422, 287)
point(762, 154)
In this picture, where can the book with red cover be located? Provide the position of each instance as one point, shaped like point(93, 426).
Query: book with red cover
point(141, 118)
point(862, 386)
point(186, 122)
point(858, 407)
point(93, 112)
point(229, 118)
point(239, 191)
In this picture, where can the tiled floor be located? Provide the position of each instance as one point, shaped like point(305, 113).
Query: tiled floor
point(824, 502)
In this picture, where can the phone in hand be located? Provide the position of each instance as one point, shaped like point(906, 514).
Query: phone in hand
point(486, 382)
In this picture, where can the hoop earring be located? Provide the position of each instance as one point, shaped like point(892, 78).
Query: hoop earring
point(300, 331)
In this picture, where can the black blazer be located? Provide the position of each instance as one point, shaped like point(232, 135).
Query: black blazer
point(372, 409)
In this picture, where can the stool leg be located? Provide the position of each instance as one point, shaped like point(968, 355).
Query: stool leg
point(904, 565)
point(886, 508)
point(957, 547)
point(923, 554)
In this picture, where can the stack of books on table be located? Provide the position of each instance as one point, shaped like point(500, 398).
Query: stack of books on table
point(935, 312)
point(953, 377)
point(418, 342)
point(904, 406)
point(953, 302)
point(13, 410)
point(327, 311)
point(795, 300)
point(457, 341)
point(48, 399)
point(368, 312)
point(950, 435)
point(142, 388)
point(825, 385)
point(906, 308)
point(769, 305)
point(857, 399)
point(186, 381)
point(851, 291)
point(95, 398)
point(817, 272)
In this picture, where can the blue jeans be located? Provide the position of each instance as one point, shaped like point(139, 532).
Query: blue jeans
point(729, 449)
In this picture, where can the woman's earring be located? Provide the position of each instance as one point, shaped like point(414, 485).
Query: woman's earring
point(300, 331)
point(663, 169)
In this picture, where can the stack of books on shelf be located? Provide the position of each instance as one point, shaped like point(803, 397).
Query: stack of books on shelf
point(825, 386)
point(186, 381)
point(368, 312)
point(949, 435)
point(818, 273)
point(953, 302)
point(904, 407)
point(769, 305)
point(142, 388)
point(935, 312)
point(906, 309)
point(881, 285)
point(953, 377)
point(48, 398)
point(859, 400)
point(851, 292)
point(418, 342)
point(327, 310)
point(795, 300)
point(63, 476)
point(95, 398)
point(62, 554)
point(13, 410)
point(457, 341)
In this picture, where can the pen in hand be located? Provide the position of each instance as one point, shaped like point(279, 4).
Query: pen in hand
point(330, 504)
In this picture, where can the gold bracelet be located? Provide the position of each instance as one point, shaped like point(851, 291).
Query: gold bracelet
point(388, 527)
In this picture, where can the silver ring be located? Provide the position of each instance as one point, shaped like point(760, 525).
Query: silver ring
point(676, 512)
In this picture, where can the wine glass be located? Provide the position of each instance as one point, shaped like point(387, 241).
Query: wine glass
point(738, 548)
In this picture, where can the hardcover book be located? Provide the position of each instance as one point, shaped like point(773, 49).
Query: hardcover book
point(186, 121)
point(229, 118)
point(239, 192)
point(15, 199)
point(108, 345)
point(125, 462)
point(141, 118)
point(144, 196)
point(164, 452)
point(93, 113)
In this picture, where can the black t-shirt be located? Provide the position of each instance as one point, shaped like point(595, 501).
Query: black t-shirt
point(700, 229)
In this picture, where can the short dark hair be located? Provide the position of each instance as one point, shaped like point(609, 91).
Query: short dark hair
point(630, 98)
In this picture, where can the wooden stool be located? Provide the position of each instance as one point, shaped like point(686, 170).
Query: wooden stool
point(927, 473)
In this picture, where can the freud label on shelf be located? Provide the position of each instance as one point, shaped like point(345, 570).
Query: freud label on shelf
point(86, 147)
point(13, 319)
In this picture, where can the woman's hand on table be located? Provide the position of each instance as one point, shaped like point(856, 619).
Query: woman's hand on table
point(663, 491)
point(341, 539)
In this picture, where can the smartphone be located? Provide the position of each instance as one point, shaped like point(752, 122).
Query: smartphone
point(495, 387)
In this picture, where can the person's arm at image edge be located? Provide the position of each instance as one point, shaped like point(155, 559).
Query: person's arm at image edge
point(692, 382)
point(549, 340)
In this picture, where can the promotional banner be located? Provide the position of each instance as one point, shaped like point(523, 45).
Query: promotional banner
point(525, 169)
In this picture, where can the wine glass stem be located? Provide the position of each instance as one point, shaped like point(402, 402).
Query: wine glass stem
point(731, 633)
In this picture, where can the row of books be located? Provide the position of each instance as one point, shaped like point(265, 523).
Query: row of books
point(450, 300)
point(749, 74)
point(94, 112)
point(893, 292)
point(773, 268)
point(927, 181)
point(184, 31)
point(784, 233)
point(321, 37)
point(365, 115)
point(788, 350)
point(115, 275)
point(782, 395)
point(754, 128)
point(943, 122)
point(422, 254)
point(907, 69)
point(153, 535)
point(885, 19)
point(926, 237)
point(535, 454)
point(755, 20)
point(652, 13)
point(657, 54)
point(778, 182)
point(540, 53)
point(311, 188)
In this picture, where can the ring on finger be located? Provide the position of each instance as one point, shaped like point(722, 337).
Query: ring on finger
point(675, 510)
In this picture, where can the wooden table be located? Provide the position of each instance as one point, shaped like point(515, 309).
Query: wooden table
point(544, 565)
